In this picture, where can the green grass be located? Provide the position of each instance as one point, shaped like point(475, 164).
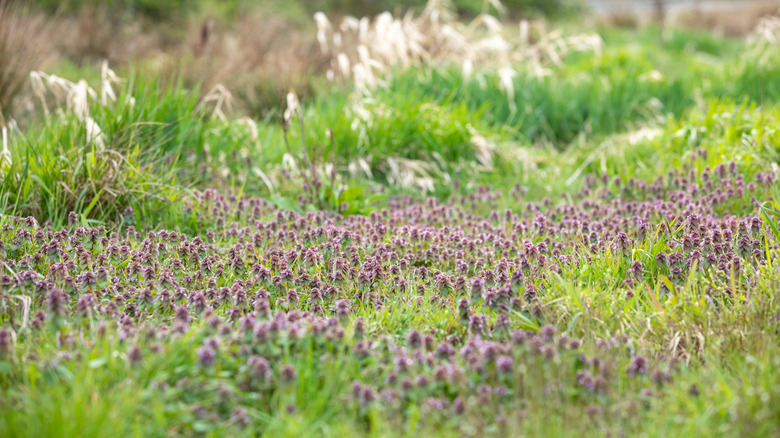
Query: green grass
point(158, 144)
point(646, 78)
point(578, 148)
point(169, 144)
point(596, 95)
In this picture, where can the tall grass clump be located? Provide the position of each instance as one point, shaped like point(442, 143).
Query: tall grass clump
point(598, 96)
point(121, 153)
point(398, 138)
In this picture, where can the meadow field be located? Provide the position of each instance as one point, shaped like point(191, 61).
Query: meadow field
point(449, 219)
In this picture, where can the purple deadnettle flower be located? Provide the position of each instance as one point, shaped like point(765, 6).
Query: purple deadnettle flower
point(56, 301)
point(638, 365)
point(259, 368)
point(504, 364)
point(288, 373)
point(182, 315)
point(414, 339)
point(6, 343)
point(135, 355)
point(206, 356)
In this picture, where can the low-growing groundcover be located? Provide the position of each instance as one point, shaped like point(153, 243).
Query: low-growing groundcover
point(591, 254)
point(632, 308)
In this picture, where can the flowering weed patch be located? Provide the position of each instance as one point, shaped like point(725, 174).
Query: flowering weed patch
point(477, 231)
point(450, 317)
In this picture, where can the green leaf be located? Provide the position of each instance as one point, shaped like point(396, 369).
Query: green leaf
point(94, 201)
point(284, 203)
point(201, 426)
point(375, 198)
point(97, 363)
point(765, 212)
point(350, 195)
point(667, 282)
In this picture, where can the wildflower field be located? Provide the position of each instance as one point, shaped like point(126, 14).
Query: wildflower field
point(416, 223)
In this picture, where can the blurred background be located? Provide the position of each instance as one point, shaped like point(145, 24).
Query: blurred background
point(257, 48)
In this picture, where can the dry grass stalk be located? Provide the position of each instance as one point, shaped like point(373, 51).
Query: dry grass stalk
point(364, 49)
point(222, 100)
point(74, 98)
point(765, 38)
point(310, 170)
point(767, 31)
point(5, 154)
point(255, 58)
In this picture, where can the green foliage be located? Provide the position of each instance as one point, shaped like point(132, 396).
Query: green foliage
point(401, 122)
point(597, 95)
point(155, 147)
point(650, 108)
point(55, 172)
